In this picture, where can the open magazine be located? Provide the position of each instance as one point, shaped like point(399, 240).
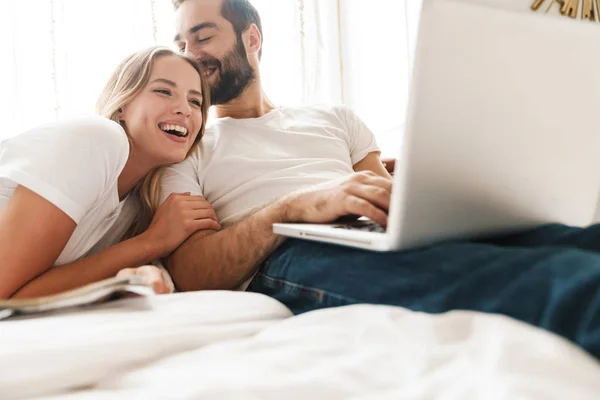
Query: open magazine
point(94, 293)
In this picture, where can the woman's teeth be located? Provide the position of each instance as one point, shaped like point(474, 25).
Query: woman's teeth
point(176, 130)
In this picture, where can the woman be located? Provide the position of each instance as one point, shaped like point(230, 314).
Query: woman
point(77, 198)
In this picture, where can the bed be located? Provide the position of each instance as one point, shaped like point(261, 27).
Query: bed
point(236, 345)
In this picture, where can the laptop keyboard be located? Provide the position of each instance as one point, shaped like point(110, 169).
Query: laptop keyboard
point(367, 226)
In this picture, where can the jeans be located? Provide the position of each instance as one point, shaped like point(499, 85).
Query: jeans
point(548, 277)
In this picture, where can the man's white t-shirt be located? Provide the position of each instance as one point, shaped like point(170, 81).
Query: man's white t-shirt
point(242, 165)
point(75, 165)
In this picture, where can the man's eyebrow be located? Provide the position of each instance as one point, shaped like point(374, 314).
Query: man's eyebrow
point(196, 28)
point(173, 84)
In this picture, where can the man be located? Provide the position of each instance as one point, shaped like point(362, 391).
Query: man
point(255, 153)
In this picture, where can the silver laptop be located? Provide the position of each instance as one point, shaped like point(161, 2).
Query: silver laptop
point(502, 134)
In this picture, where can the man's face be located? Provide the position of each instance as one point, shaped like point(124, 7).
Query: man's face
point(205, 35)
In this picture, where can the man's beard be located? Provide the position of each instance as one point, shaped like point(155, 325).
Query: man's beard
point(234, 74)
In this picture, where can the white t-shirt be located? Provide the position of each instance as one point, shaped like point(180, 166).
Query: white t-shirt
point(242, 165)
point(75, 165)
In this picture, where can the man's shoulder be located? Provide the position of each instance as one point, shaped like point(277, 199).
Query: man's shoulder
point(191, 162)
point(326, 114)
point(318, 109)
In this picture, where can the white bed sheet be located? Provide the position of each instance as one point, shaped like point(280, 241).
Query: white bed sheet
point(44, 355)
point(358, 352)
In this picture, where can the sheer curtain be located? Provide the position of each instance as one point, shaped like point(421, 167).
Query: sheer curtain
point(57, 55)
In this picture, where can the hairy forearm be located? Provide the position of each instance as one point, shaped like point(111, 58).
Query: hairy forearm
point(131, 253)
point(225, 259)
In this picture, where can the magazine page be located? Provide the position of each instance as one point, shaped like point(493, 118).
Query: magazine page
point(105, 290)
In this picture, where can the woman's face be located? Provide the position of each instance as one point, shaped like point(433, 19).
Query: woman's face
point(164, 119)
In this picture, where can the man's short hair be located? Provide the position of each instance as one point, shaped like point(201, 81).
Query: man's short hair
point(240, 13)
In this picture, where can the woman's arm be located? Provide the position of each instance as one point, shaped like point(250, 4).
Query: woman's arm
point(33, 233)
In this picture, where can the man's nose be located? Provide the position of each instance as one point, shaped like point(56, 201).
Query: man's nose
point(194, 53)
point(188, 53)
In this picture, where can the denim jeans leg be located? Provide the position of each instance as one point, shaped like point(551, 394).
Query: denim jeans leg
point(553, 235)
point(553, 288)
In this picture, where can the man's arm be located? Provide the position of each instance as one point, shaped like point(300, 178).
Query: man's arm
point(372, 162)
point(225, 259)
point(211, 260)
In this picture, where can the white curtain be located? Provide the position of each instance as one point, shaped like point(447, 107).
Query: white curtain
point(57, 54)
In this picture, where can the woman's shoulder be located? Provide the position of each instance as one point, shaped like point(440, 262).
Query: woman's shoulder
point(89, 136)
point(89, 128)
point(80, 143)
point(73, 163)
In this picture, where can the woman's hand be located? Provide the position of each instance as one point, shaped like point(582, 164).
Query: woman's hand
point(152, 275)
point(180, 216)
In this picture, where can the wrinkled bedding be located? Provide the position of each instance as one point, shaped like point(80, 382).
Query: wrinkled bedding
point(74, 349)
point(224, 345)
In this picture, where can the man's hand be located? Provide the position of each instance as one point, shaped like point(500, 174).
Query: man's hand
point(363, 193)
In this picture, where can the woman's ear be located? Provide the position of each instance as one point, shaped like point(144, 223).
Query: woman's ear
point(120, 116)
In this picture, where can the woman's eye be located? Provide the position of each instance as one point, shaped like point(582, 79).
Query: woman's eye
point(197, 103)
point(163, 91)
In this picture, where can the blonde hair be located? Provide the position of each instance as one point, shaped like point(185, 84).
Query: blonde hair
point(126, 82)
